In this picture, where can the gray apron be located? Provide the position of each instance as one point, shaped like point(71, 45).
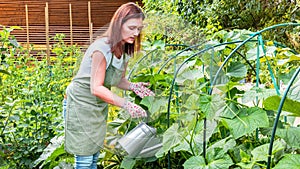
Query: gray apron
point(86, 115)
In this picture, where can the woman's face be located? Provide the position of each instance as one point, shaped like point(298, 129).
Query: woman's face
point(131, 29)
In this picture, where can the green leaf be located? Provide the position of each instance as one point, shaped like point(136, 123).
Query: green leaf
point(252, 53)
point(52, 151)
point(185, 146)
point(295, 58)
point(223, 161)
point(260, 153)
point(213, 43)
point(221, 78)
point(186, 67)
point(4, 72)
point(128, 163)
point(246, 121)
point(189, 75)
point(195, 162)
point(281, 62)
point(285, 77)
point(291, 106)
point(294, 92)
point(215, 160)
point(233, 35)
point(270, 50)
point(257, 93)
point(245, 157)
point(192, 102)
point(14, 27)
point(225, 144)
point(212, 105)
point(230, 111)
point(291, 58)
point(171, 138)
point(228, 86)
point(57, 152)
point(290, 161)
point(154, 104)
point(246, 165)
point(211, 126)
point(290, 135)
point(237, 69)
point(159, 44)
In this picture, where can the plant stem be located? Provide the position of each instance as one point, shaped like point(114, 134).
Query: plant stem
point(6, 122)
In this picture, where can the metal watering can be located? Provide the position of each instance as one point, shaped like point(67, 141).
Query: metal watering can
point(141, 141)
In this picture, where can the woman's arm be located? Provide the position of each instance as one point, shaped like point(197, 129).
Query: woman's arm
point(124, 83)
point(97, 80)
point(98, 89)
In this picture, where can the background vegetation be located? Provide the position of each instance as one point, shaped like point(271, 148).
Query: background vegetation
point(209, 16)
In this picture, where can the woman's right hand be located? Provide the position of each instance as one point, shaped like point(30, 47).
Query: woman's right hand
point(134, 110)
point(141, 89)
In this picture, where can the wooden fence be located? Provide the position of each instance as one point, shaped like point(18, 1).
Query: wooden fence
point(40, 20)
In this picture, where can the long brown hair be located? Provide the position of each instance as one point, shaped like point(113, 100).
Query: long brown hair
point(125, 12)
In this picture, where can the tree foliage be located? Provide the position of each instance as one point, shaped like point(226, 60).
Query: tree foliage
point(235, 14)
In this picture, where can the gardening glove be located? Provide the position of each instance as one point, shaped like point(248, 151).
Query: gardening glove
point(140, 89)
point(134, 110)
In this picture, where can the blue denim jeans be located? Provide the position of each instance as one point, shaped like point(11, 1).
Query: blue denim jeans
point(86, 162)
point(64, 103)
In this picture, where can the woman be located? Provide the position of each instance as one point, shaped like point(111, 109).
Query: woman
point(88, 95)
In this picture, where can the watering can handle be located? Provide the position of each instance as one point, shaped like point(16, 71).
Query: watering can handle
point(140, 119)
point(145, 119)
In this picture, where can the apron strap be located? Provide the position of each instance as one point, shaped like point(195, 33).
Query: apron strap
point(111, 59)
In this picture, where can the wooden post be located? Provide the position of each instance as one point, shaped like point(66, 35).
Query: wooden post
point(90, 22)
point(47, 33)
point(27, 27)
point(71, 24)
point(91, 32)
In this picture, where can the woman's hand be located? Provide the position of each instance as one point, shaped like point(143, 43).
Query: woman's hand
point(140, 89)
point(134, 110)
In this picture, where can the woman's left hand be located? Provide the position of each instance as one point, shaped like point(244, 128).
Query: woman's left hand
point(140, 89)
